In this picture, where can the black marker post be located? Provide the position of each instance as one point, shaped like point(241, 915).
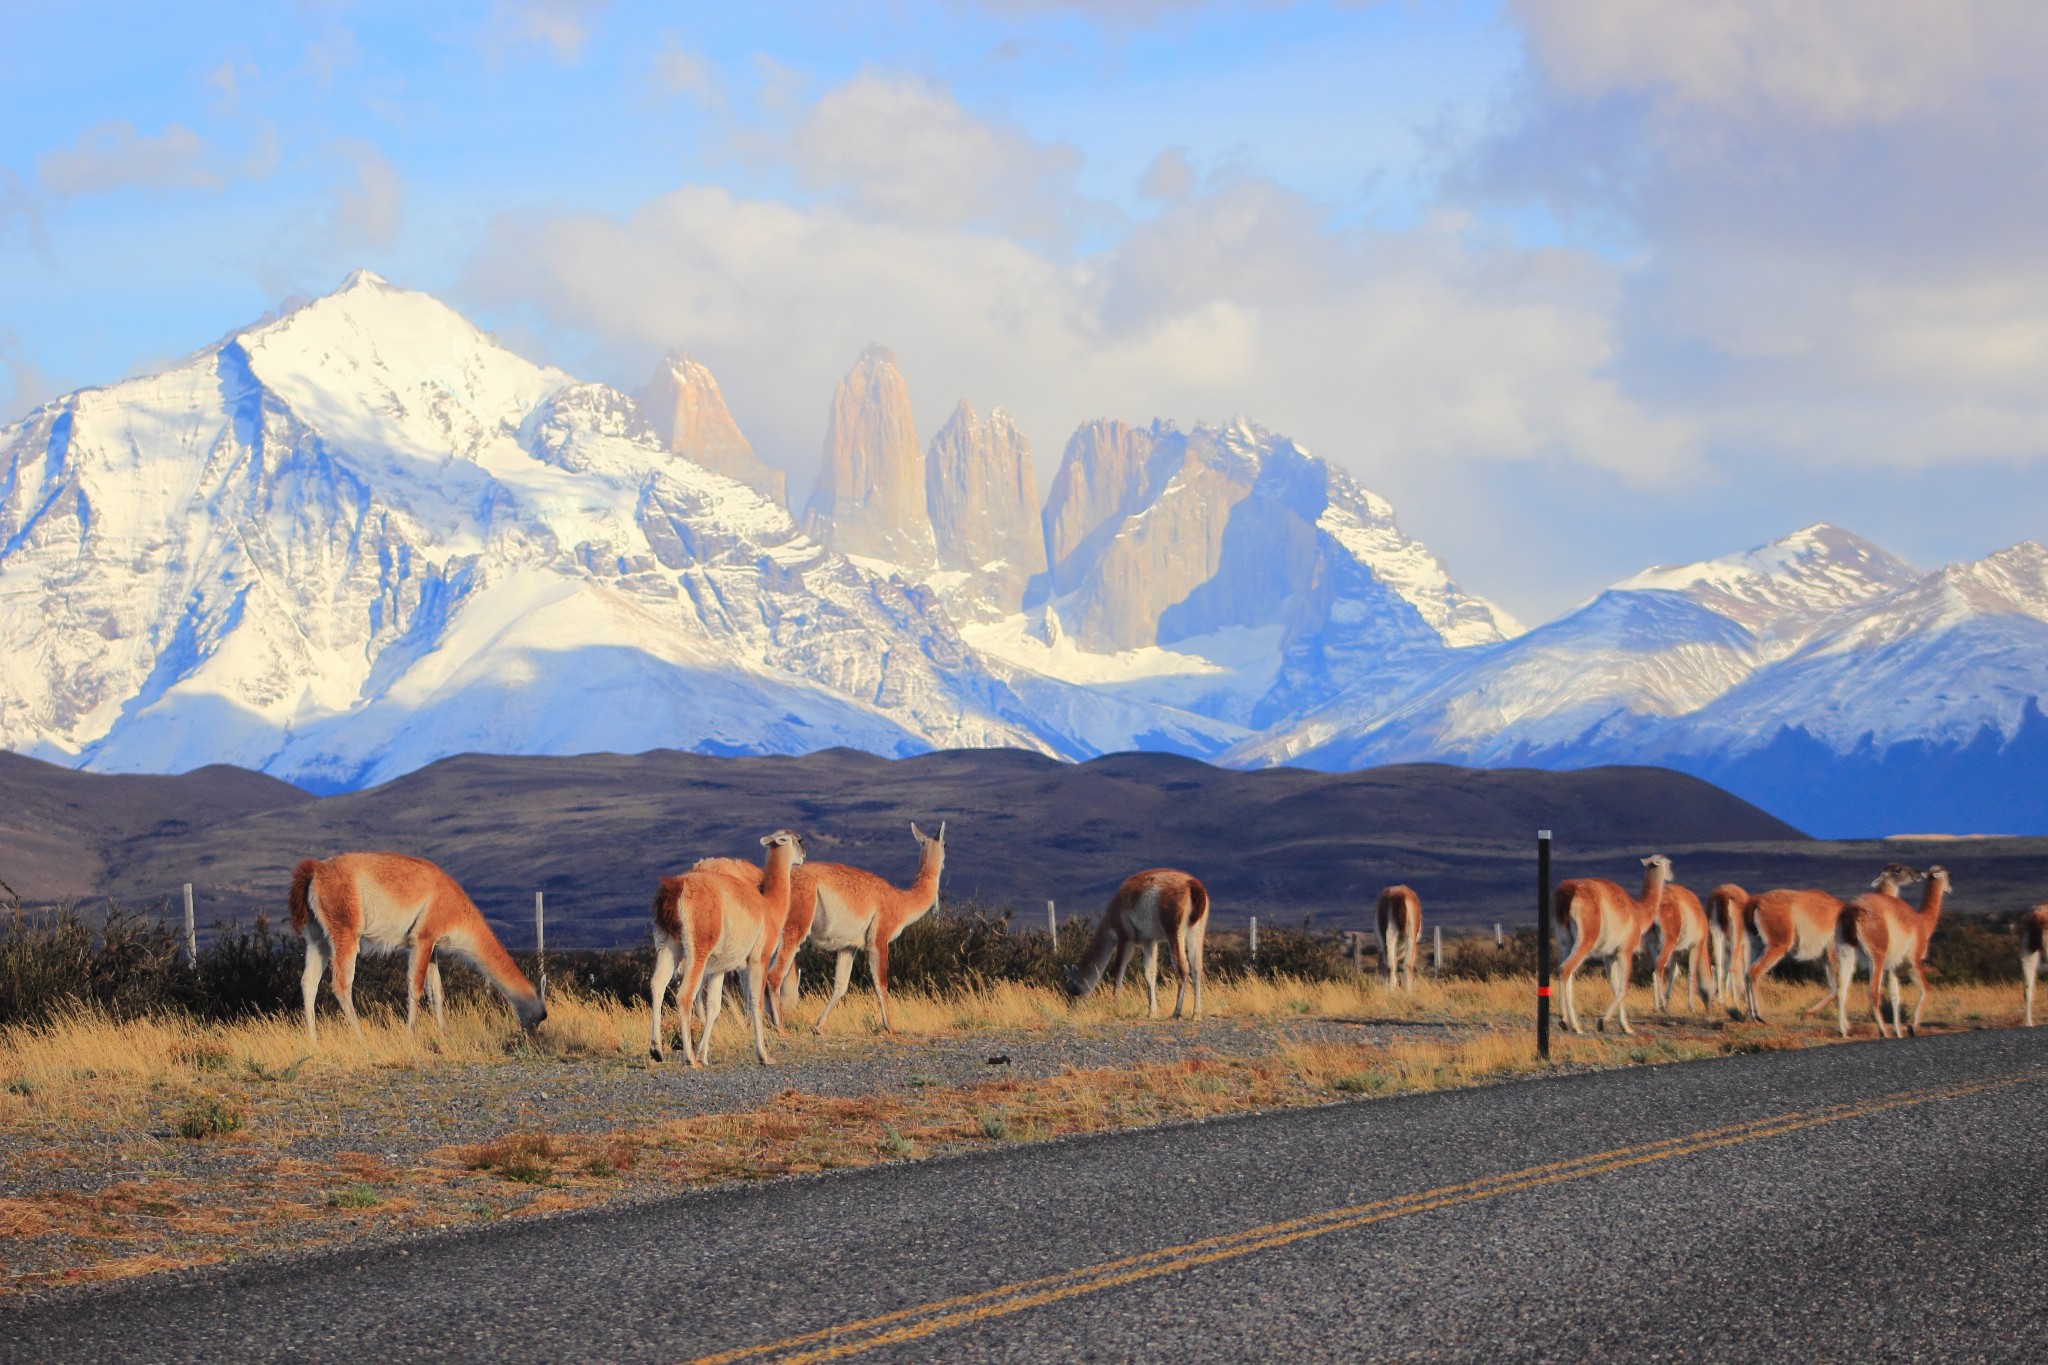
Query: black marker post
point(1543, 944)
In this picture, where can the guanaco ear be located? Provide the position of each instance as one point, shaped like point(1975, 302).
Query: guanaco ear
point(915, 832)
point(767, 839)
point(942, 831)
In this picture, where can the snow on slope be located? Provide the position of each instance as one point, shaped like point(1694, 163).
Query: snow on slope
point(1290, 584)
point(1590, 685)
point(364, 535)
point(1963, 650)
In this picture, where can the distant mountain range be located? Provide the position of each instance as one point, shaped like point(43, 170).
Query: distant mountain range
point(338, 545)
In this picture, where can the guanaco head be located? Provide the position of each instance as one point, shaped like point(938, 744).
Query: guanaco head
point(931, 848)
point(1656, 862)
point(1894, 876)
point(785, 838)
point(1938, 874)
point(531, 1011)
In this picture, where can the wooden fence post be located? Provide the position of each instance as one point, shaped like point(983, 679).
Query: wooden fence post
point(191, 931)
point(1543, 944)
point(540, 943)
point(1255, 938)
point(1436, 953)
point(1052, 923)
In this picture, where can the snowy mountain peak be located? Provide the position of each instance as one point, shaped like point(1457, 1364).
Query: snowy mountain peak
point(1783, 590)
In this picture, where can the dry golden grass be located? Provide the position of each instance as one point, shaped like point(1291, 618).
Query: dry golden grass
point(86, 1065)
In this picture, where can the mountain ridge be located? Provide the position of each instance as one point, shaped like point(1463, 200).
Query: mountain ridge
point(345, 541)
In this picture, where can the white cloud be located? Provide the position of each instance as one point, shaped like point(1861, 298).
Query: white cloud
point(1830, 214)
point(1170, 177)
point(367, 210)
point(1835, 64)
point(26, 384)
point(680, 72)
point(115, 155)
point(560, 26)
point(19, 212)
point(898, 149)
point(1424, 351)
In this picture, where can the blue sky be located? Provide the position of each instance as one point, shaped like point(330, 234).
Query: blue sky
point(1679, 278)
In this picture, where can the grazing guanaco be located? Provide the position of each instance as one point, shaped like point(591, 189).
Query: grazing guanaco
point(387, 902)
point(1727, 913)
point(1803, 924)
point(1607, 922)
point(1159, 905)
point(1887, 934)
point(1400, 920)
point(1682, 926)
point(715, 922)
point(843, 910)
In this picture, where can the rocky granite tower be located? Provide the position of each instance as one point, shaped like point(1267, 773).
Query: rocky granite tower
point(683, 402)
point(869, 498)
point(1101, 479)
point(983, 498)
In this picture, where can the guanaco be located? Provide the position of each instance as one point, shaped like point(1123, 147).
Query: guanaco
point(714, 922)
point(1605, 921)
point(1400, 921)
point(1887, 934)
point(1803, 924)
point(2033, 938)
point(1727, 913)
point(1682, 926)
point(1159, 905)
point(843, 910)
point(387, 902)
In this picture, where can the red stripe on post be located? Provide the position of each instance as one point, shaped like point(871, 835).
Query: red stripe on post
point(1543, 992)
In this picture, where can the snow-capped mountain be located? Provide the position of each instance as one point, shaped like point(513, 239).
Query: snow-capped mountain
point(1919, 712)
point(1818, 676)
point(341, 544)
point(1228, 576)
point(363, 536)
point(1659, 645)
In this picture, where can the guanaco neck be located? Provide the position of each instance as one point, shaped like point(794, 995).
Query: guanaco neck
point(775, 878)
point(1654, 879)
point(1101, 948)
point(923, 893)
point(1930, 903)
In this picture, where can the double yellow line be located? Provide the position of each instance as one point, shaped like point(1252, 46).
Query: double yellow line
point(912, 1324)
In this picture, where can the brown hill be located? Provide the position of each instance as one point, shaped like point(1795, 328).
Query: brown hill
point(596, 832)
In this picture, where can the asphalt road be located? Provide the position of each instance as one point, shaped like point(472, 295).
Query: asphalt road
point(1871, 1201)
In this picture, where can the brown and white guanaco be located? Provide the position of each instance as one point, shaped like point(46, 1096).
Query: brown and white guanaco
point(1683, 927)
point(1400, 921)
point(388, 902)
point(1159, 905)
point(1887, 935)
point(843, 910)
point(1802, 925)
point(1606, 922)
point(2033, 939)
point(713, 922)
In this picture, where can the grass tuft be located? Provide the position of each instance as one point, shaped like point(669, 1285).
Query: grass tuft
point(355, 1197)
point(527, 1158)
point(210, 1116)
